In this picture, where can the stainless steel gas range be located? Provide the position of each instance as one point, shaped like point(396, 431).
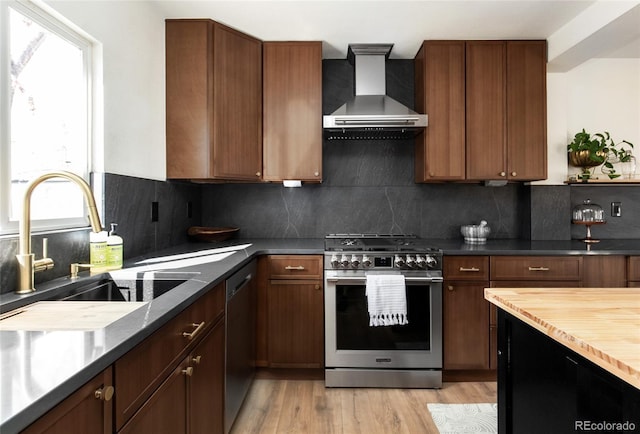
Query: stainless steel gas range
point(358, 354)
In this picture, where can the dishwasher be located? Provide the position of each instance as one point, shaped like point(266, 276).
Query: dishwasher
point(240, 340)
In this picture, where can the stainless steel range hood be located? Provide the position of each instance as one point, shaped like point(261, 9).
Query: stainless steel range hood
point(371, 114)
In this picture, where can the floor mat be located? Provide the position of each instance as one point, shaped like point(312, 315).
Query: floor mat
point(465, 418)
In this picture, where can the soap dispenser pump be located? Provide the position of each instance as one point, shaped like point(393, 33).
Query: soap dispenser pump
point(114, 249)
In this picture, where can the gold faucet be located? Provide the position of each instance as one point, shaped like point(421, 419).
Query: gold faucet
point(26, 260)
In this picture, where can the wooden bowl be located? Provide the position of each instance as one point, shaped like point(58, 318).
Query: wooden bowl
point(207, 234)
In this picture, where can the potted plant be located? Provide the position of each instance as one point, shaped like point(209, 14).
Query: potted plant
point(589, 151)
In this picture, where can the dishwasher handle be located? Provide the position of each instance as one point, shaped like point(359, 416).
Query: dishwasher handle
point(240, 279)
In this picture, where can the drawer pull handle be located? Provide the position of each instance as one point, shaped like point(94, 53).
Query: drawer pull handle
point(196, 360)
point(104, 394)
point(188, 372)
point(193, 334)
point(538, 268)
point(450, 287)
point(470, 270)
point(297, 267)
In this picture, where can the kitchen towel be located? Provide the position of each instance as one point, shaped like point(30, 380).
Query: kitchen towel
point(386, 299)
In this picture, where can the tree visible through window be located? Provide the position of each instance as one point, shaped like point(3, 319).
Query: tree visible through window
point(48, 110)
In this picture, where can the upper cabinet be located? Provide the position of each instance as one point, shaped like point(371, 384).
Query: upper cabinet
point(486, 102)
point(214, 102)
point(292, 104)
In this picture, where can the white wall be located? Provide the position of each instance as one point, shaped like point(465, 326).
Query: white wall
point(599, 95)
point(131, 34)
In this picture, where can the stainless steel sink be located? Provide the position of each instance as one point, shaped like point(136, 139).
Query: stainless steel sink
point(110, 290)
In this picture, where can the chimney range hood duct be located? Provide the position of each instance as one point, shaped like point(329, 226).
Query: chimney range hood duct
point(371, 114)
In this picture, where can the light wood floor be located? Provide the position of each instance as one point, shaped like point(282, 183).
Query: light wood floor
point(306, 406)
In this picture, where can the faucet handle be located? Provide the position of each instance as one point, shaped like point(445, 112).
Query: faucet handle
point(45, 263)
point(75, 267)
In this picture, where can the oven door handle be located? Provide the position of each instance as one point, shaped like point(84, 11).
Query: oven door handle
point(407, 279)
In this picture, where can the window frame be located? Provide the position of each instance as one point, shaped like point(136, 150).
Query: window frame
point(54, 23)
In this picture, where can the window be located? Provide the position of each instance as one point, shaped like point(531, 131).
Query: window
point(45, 105)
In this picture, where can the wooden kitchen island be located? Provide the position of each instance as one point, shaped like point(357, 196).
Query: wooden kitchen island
point(568, 359)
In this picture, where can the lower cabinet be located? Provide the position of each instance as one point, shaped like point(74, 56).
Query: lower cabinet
point(295, 312)
point(604, 271)
point(544, 387)
point(173, 382)
point(633, 271)
point(190, 400)
point(87, 410)
point(466, 314)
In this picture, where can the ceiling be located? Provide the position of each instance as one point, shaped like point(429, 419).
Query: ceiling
point(407, 23)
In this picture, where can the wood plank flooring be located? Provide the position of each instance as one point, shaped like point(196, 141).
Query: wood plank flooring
point(306, 406)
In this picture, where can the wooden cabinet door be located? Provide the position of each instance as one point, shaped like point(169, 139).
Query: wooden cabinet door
point(604, 271)
point(237, 105)
point(213, 102)
point(295, 324)
point(206, 385)
point(88, 410)
point(465, 326)
point(292, 115)
point(526, 110)
point(633, 271)
point(485, 110)
point(166, 410)
point(440, 92)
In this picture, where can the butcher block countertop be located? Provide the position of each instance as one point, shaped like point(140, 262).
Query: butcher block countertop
point(600, 324)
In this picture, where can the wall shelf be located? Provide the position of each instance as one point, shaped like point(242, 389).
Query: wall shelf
point(605, 182)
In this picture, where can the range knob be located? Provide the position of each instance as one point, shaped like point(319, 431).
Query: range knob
point(344, 261)
point(411, 262)
point(355, 262)
point(421, 262)
point(366, 262)
point(399, 261)
point(335, 263)
point(431, 261)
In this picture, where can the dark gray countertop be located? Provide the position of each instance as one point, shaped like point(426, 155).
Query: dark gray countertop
point(40, 369)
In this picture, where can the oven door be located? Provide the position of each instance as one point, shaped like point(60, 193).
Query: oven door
point(351, 343)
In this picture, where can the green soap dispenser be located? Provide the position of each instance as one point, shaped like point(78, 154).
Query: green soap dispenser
point(98, 252)
point(114, 249)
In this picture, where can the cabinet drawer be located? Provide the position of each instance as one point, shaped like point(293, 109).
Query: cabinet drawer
point(536, 268)
point(139, 372)
point(295, 267)
point(633, 269)
point(466, 267)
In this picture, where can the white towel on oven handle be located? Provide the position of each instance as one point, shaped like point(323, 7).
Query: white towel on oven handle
point(386, 299)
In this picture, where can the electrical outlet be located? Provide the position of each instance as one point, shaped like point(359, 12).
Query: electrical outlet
point(154, 212)
point(616, 209)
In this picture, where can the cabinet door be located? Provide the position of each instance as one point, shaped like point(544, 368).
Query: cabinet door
point(440, 92)
point(292, 116)
point(604, 271)
point(88, 410)
point(206, 385)
point(526, 110)
point(166, 410)
point(188, 114)
point(296, 324)
point(237, 105)
point(633, 269)
point(465, 326)
point(485, 116)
